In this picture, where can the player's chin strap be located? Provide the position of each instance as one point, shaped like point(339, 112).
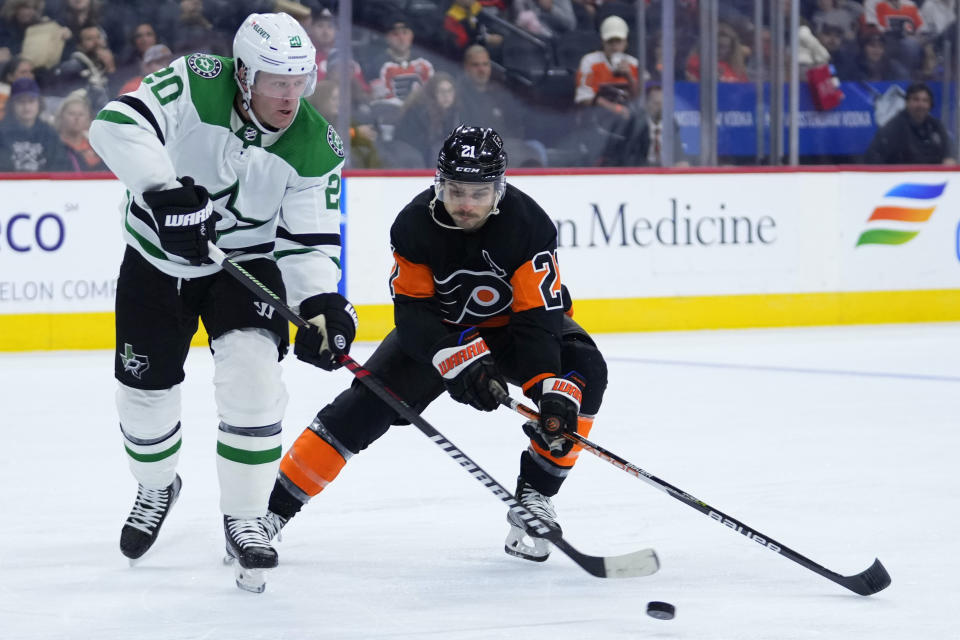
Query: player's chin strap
point(264, 129)
point(246, 98)
point(250, 114)
point(433, 214)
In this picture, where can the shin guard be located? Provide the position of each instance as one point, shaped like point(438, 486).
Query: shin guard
point(313, 462)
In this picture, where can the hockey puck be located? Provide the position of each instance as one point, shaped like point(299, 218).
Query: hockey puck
point(661, 610)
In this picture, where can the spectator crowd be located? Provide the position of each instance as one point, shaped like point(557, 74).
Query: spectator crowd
point(561, 80)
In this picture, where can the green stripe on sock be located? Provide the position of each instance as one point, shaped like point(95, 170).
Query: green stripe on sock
point(153, 457)
point(244, 456)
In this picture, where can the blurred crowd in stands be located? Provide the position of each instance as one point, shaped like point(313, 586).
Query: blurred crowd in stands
point(559, 79)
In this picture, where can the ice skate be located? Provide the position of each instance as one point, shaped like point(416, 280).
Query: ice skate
point(149, 511)
point(249, 551)
point(518, 542)
point(273, 523)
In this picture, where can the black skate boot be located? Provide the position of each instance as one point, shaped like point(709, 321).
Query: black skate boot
point(518, 542)
point(272, 524)
point(248, 548)
point(149, 511)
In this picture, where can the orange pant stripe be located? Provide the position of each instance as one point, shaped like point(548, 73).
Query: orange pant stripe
point(311, 463)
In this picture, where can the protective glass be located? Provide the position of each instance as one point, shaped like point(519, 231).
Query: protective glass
point(276, 85)
point(469, 193)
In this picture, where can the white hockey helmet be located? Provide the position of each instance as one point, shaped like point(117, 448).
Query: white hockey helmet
point(275, 43)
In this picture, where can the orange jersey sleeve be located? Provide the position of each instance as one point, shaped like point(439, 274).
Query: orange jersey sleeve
point(537, 284)
point(410, 279)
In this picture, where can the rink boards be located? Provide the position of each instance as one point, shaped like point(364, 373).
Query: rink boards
point(638, 250)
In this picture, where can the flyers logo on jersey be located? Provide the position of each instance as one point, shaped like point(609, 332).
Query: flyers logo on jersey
point(470, 297)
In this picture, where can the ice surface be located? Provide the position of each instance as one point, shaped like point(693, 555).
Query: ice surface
point(840, 443)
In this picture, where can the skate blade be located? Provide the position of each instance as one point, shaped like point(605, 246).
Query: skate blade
point(524, 554)
point(251, 580)
point(520, 545)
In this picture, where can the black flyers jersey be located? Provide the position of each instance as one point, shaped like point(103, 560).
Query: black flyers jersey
point(502, 275)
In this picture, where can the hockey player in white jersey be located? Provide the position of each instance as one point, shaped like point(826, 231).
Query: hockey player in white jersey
point(223, 150)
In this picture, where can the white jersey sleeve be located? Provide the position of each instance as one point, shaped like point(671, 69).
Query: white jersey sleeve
point(277, 192)
point(308, 237)
point(136, 153)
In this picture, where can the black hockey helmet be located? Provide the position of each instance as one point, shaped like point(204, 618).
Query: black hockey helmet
point(475, 156)
point(472, 154)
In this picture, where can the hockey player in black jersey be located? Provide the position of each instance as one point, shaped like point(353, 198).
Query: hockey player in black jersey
point(478, 302)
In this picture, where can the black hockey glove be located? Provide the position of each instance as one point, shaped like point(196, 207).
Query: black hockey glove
point(559, 402)
point(333, 326)
point(468, 370)
point(185, 219)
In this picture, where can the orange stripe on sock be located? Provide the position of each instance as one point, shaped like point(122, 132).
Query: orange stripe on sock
point(584, 425)
point(311, 463)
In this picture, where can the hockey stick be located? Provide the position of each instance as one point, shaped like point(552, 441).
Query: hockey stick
point(638, 563)
point(873, 579)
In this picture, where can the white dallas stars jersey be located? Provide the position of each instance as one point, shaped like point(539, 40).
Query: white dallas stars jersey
point(278, 192)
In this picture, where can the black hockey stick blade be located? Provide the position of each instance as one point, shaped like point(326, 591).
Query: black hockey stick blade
point(869, 581)
point(638, 563)
point(875, 578)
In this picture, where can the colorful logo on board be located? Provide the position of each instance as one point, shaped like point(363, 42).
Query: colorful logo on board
point(900, 220)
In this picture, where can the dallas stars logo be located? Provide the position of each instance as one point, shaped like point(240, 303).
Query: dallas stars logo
point(224, 202)
point(333, 139)
point(204, 66)
point(134, 363)
point(295, 41)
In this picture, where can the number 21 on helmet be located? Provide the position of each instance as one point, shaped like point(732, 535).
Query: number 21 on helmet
point(472, 156)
